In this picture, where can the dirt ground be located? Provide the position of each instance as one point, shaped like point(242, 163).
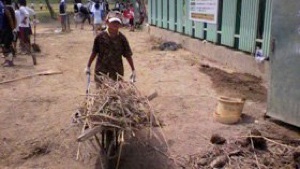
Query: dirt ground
point(236, 85)
point(36, 131)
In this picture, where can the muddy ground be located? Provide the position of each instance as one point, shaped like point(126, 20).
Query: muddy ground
point(36, 130)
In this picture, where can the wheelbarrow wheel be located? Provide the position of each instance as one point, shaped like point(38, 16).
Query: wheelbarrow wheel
point(112, 154)
point(111, 148)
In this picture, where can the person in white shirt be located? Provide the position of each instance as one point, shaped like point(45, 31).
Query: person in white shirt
point(17, 30)
point(84, 14)
point(7, 29)
point(117, 6)
point(63, 14)
point(24, 26)
point(79, 5)
point(97, 14)
point(102, 8)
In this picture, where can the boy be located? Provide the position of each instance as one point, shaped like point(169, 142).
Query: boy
point(109, 47)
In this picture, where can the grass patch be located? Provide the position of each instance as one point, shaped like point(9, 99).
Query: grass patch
point(44, 17)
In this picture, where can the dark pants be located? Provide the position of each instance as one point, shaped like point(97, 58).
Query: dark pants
point(86, 15)
point(131, 21)
point(63, 21)
point(25, 33)
point(7, 38)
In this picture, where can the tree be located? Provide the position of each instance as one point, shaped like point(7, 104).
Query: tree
point(51, 11)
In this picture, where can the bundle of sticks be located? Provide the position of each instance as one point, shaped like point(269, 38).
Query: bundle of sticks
point(114, 104)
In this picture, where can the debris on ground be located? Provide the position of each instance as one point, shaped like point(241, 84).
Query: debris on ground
point(257, 140)
point(43, 73)
point(168, 46)
point(236, 85)
point(262, 152)
point(37, 151)
point(219, 162)
point(217, 139)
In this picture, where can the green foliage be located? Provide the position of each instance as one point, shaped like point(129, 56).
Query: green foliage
point(44, 17)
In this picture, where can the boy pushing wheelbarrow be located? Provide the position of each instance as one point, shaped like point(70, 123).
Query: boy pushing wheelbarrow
point(108, 49)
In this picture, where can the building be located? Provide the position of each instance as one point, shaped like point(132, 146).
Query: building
point(234, 30)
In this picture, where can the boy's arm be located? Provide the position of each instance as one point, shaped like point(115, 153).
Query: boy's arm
point(92, 58)
point(95, 51)
point(133, 75)
point(128, 53)
point(130, 61)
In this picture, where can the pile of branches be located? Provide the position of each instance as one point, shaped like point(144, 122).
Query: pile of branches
point(116, 104)
point(252, 152)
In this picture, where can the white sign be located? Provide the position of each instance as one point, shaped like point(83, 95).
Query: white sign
point(204, 10)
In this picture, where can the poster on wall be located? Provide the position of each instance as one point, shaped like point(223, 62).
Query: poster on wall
point(204, 11)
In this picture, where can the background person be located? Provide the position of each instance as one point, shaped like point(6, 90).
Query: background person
point(97, 14)
point(1, 20)
point(24, 27)
point(76, 10)
point(131, 17)
point(85, 14)
point(17, 30)
point(63, 14)
point(117, 6)
point(9, 25)
point(109, 47)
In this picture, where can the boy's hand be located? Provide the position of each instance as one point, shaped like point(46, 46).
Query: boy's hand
point(132, 77)
point(87, 70)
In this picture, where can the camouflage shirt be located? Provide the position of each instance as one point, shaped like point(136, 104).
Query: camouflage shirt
point(109, 54)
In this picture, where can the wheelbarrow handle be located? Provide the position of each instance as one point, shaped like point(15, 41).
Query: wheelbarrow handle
point(88, 83)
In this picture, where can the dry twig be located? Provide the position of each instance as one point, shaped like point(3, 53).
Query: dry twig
point(116, 105)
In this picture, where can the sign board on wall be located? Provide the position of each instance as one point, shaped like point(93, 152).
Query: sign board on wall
point(204, 10)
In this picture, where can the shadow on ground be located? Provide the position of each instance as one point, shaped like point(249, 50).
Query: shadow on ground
point(142, 153)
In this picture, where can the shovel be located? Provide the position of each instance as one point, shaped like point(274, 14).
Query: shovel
point(35, 47)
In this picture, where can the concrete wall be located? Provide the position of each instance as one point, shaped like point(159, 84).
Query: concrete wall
point(225, 57)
